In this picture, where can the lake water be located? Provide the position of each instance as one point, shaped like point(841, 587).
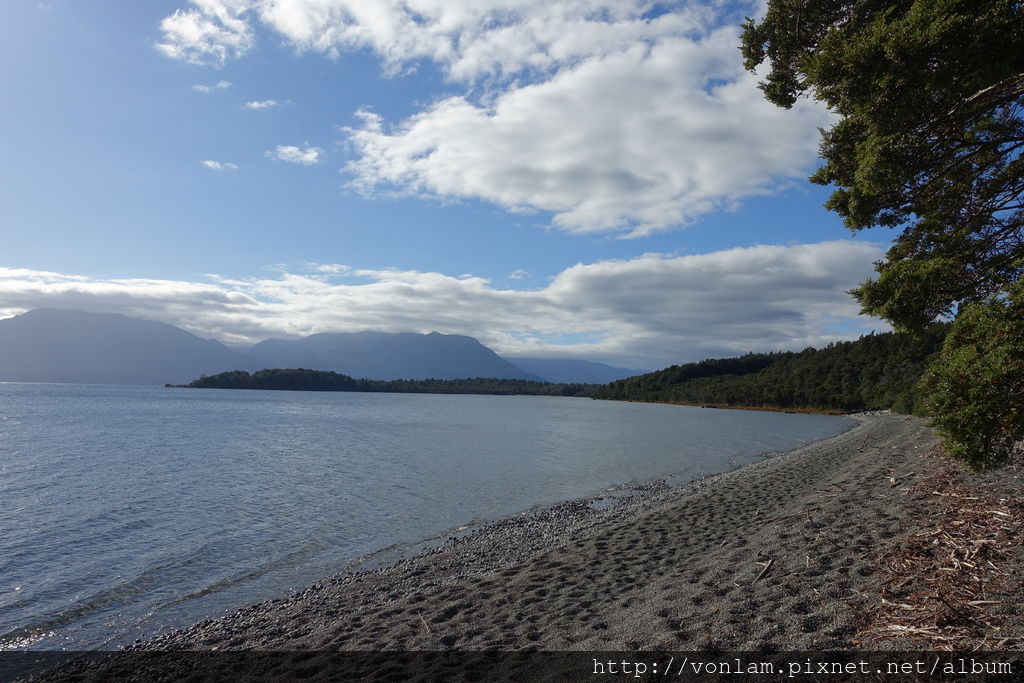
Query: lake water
point(128, 511)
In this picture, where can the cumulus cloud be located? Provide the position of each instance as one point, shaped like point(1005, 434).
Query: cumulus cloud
point(220, 85)
point(613, 116)
point(218, 165)
point(262, 104)
point(519, 274)
point(649, 311)
point(296, 155)
point(639, 141)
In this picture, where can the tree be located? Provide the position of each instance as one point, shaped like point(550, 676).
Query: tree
point(930, 139)
point(976, 386)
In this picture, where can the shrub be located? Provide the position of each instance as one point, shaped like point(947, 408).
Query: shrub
point(975, 386)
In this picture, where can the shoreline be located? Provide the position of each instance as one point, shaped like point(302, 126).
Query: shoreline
point(627, 497)
point(782, 554)
point(201, 598)
point(666, 567)
point(729, 406)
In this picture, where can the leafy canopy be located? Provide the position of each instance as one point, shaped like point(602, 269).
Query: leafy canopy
point(930, 139)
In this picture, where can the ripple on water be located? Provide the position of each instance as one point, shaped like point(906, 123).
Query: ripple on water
point(131, 510)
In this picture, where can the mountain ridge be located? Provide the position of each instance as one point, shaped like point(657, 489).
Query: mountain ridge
point(76, 346)
point(80, 347)
point(389, 356)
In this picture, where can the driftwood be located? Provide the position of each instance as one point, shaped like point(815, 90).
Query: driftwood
point(938, 587)
point(767, 566)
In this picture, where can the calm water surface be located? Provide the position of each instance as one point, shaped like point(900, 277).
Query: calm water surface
point(128, 511)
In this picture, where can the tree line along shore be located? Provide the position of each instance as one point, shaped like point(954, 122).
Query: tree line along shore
point(876, 372)
point(303, 379)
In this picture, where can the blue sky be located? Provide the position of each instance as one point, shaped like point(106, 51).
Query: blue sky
point(585, 178)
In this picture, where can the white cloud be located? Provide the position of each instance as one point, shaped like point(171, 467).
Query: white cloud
point(212, 32)
point(473, 39)
point(218, 165)
point(296, 155)
point(614, 116)
point(262, 104)
point(219, 85)
point(518, 274)
point(649, 311)
point(469, 39)
point(639, 141)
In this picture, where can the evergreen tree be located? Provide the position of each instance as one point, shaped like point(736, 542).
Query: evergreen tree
point(931, 95)
point(930, 142)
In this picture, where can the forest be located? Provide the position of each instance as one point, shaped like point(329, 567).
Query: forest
point(302, 379)
point(878, 371)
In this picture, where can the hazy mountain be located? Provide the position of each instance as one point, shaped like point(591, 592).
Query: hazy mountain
point(46, 345)
point(567, 370)
point(380, 355)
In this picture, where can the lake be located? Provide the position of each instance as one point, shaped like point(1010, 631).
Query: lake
point(129, 511)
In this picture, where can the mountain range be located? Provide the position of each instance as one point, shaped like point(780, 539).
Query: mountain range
point(48, 345)
point(378, 355)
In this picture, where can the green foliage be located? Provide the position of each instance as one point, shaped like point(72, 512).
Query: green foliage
point(976, 385)
point(302, 379)
point(930, 139)
point(878, 371)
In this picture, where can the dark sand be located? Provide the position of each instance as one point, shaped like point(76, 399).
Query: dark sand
point(775, 555)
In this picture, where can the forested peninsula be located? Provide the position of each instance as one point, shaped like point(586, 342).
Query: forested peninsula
point(302, 379)
point(878, 371)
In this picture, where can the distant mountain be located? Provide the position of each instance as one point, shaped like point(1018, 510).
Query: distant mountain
point(380, 355)
point(47, 345)
point(562, 370)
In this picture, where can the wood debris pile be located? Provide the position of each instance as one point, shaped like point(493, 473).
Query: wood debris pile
point(944, 586)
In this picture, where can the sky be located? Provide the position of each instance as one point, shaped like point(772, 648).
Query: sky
point(596, 179)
